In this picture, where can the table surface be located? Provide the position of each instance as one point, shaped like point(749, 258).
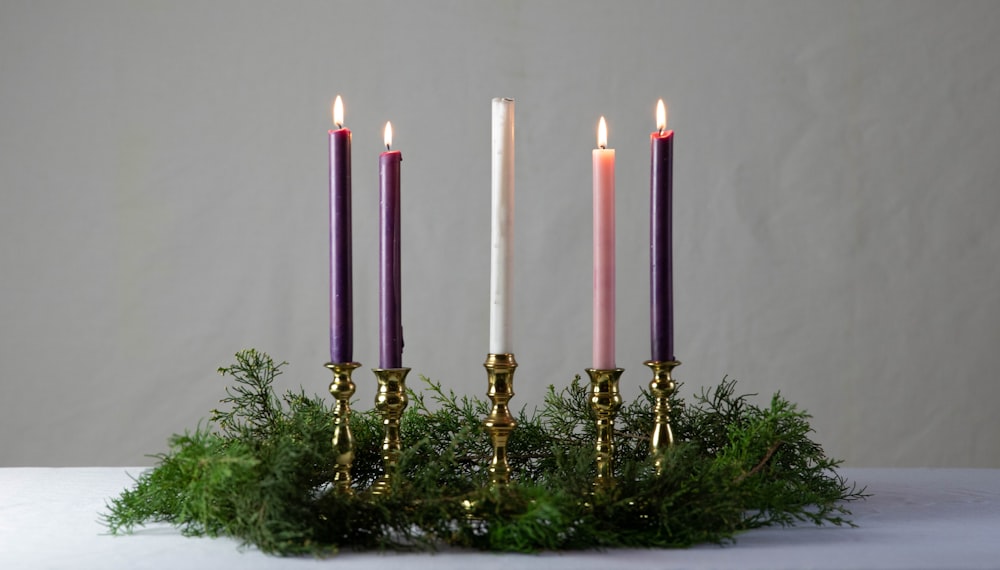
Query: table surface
point(915, 518)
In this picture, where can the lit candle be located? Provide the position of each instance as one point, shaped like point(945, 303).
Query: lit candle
point(341, 300)
point(661, 288)
point(604, 251)
point(389, 299)
point(502, 233)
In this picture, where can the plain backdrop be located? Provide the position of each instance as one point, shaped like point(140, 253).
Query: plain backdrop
point(163, 204)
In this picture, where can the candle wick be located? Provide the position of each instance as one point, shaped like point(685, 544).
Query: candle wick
point(661, 130)
point(340, 125)
point(387, 147)
point(602, 147)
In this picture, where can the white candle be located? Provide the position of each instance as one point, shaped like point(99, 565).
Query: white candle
point(604, 251)
point(502, 234)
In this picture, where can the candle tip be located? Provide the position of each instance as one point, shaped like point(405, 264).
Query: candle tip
point(661, 116)
point(338, 112)
point(387, 135)
point(602, 133)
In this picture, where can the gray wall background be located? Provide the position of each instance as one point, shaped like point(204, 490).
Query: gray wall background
point(163, 205)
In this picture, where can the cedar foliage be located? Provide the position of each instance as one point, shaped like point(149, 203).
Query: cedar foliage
point(259, 472)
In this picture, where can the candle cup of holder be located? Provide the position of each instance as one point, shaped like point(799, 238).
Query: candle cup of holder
point(390, 401)
point(605, 401)
point(661, 387)
point(500, 423)
point(342, 388)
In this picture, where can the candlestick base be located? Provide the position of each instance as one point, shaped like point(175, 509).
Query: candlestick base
point(342, 388)
point(500, 423)
point(390, 401)
point(605, 401)
point(661, 387)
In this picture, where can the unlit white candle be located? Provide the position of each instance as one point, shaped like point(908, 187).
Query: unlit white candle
point(502, 234)
point(604, 251)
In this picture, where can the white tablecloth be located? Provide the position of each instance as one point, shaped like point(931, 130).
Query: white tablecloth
point(916, 518)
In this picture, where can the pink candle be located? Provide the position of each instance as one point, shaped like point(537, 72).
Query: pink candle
point(604, 251)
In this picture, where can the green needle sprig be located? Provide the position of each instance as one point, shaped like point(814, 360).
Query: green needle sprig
point(259, 471)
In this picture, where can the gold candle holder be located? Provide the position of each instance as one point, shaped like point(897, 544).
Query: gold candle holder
point(605, 401)
point(342, 388)
point(500, 423)
point(661, 387)
point(390, 401)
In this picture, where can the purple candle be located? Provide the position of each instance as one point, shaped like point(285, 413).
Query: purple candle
point(661, 288)
point(341, 298)
point(390, 354)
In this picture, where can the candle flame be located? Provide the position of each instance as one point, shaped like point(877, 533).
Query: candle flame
point(338, 112)
point(602, 133)
point(388, 135)
point(661, 116)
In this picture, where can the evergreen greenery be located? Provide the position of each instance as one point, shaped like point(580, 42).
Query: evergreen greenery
point(259, 471)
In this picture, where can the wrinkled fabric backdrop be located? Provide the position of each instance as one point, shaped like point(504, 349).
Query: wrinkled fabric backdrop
point(163, 204)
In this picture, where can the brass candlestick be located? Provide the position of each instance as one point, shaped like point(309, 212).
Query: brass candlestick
point(390, 401)
point(342, 388)
point(661, 387)
point(500, 423)
point(605, 401)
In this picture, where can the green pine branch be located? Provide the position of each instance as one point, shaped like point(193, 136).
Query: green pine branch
point(259, 471)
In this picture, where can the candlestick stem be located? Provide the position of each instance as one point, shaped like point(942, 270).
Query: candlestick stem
point(661, 387)
point(342, 388)
point(605, 401)
point(390, 401)
point(500, 423)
